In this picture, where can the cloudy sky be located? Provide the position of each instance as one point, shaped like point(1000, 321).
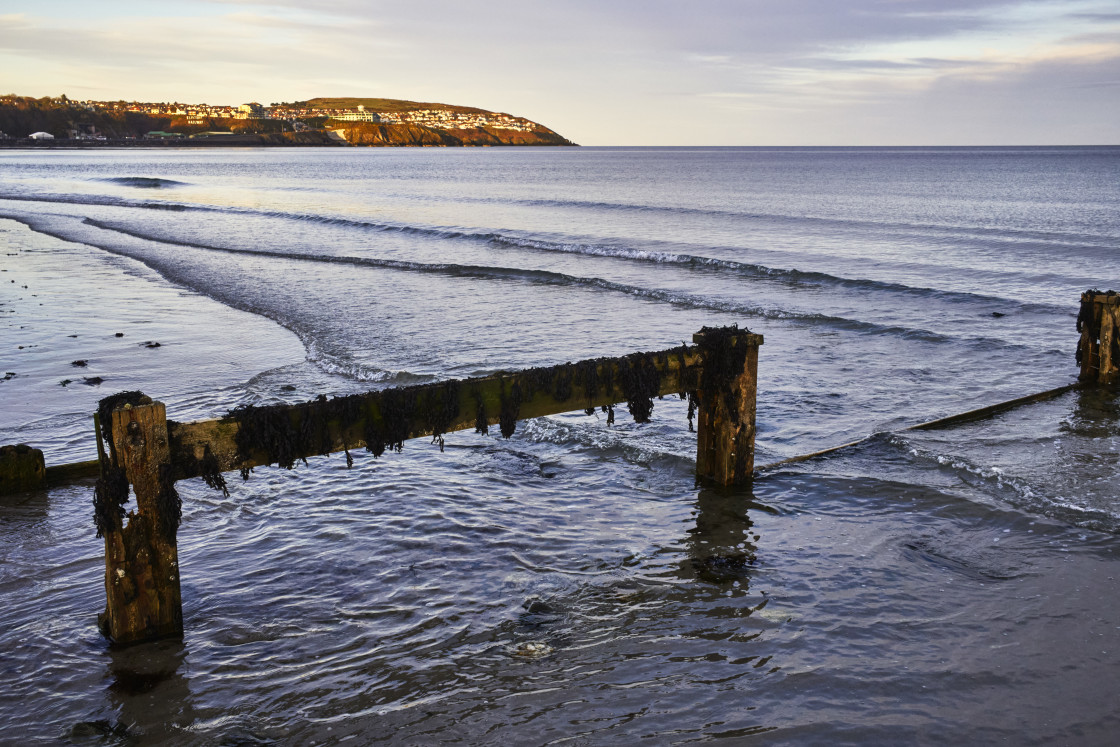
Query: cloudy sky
point(612, 72)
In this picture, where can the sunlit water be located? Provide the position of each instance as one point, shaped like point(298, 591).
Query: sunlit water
point(572, 584)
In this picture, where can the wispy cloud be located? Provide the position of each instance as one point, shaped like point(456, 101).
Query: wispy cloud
point(738, 70)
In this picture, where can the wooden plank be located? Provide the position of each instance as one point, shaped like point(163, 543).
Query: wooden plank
point(283, 434)
point(64, 474)
point(964, 417)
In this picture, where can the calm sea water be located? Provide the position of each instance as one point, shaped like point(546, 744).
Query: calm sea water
point(572, 585)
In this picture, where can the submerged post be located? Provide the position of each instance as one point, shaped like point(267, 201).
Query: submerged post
point(141, 557)
point(21, 468)
point(1098, 351)
point(725, 400)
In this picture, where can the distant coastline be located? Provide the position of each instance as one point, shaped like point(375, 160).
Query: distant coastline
point(59, 122)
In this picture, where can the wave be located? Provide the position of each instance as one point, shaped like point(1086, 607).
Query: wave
point(999, 234)
point(550, 277)
point(1096, 242)
point(110, 201)
point(345, 366)
point(691, 261)
point(792, 276)
point(142, 182)
point(1011, 489)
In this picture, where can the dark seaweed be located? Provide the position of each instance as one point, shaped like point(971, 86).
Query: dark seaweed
point(211, 472)
point(511, 407)
point(1086, 321)
point(169, 506)
point(481, 424)
point(285, 434)
point(440, 408)
point(110, 493)
point(186, 465)
point(723, 362)
point(640, 381)
point(562, 383)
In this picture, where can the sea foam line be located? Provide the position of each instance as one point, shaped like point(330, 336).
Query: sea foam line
point(549, 277)
point(792, 276)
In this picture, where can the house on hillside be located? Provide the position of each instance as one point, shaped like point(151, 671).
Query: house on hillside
point(250, 111)
point(358, 115)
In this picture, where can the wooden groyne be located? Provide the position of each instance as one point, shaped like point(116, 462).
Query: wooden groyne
point(143, 454)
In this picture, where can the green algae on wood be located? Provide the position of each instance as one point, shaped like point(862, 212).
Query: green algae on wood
point(382, 421)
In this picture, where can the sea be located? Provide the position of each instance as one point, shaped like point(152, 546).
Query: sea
point(574, 585)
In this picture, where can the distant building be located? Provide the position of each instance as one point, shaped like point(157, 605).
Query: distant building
point(359, 115)
point(250, 111)
point(41, 136)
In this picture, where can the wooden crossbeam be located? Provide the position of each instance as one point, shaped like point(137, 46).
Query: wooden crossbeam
point(325, 426)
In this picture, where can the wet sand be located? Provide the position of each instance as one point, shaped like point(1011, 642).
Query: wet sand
point(80, 324)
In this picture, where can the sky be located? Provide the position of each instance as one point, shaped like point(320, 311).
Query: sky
point(612, 72)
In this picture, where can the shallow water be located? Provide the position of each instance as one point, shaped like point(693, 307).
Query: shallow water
point(571, 584)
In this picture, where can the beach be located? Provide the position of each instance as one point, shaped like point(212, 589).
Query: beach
point(572, 584)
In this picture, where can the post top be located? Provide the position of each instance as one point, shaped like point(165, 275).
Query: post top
point(734, 335)
point(122, 401)
point(1109, 298)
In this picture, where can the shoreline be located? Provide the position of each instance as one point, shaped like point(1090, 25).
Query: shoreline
point(104, 323)
point(242, 141)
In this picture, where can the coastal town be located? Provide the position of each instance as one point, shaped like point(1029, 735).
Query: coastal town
point(299, 116)
point(62, 122)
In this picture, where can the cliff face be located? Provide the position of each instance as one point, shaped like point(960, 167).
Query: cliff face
point(405, 135)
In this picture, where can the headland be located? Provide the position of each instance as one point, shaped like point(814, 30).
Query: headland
point(60, 122)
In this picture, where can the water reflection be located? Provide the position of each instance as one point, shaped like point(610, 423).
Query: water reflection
point(149, 692)
point(1096, 413)
point(28, 505)
point(721, 547)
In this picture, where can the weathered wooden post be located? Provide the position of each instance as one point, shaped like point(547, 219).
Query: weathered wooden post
point(725, 399)
point(21, 468)
point(141, 556)
point(1099, 349)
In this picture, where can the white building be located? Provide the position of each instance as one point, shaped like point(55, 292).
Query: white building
point(361, 115)
point(41, 136)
